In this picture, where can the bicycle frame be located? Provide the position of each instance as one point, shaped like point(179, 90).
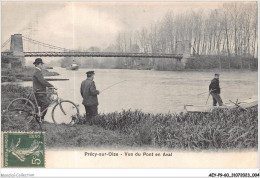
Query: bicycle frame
point(32, 96)
point(36, 111)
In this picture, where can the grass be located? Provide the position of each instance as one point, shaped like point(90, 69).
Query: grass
point(218, 130)
point(10, 92)
point(21, 74)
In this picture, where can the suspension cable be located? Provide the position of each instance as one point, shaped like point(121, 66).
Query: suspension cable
point(45, 44)
point(40, 44)
point(5, 43)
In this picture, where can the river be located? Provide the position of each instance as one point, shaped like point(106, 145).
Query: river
point(153, 91)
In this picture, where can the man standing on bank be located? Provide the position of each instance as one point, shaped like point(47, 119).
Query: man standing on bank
point(214, 90)
point(40, 85)
point(89, 94)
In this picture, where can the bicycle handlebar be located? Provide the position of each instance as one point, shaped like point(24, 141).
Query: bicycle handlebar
point(53, 88)
point(51, 91)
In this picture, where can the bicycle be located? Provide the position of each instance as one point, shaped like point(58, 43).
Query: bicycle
point(22, 111)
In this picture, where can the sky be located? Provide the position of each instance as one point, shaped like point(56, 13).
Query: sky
point(76, 25)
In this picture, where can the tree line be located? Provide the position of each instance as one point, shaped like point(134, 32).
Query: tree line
point(229, 30)
point(225, 37)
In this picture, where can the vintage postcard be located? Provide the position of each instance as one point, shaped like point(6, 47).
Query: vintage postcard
point(130, 85)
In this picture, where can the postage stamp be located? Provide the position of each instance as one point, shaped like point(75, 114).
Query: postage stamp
point(23, 149)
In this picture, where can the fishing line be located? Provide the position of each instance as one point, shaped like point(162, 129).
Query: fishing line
point(220, 88)
point(200, 94)
point(112, 86)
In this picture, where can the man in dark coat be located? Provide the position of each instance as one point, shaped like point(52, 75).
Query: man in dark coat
point(214, 90)
point(89, 94)
point(40, 85)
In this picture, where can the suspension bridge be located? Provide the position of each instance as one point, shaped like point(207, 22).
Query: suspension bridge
point(18, 47)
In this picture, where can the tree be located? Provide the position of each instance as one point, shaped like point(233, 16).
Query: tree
point(230, 29)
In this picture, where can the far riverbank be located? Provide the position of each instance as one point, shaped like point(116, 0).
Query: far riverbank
point(192, 63)
point(22, 74)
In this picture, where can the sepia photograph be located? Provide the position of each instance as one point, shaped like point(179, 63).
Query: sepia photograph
point(169, 84)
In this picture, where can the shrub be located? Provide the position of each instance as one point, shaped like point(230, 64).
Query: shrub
point(168, 65)
point(220, 129)
point(215, 61)
point(23, 73)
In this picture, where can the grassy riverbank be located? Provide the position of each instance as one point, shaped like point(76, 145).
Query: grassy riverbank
point(22, 74)
point(63, 135)
point(218, 130)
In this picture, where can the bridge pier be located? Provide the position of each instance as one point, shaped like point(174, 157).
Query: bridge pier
point(17, 50)
point(183, 47)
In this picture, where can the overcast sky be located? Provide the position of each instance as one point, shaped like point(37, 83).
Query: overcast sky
point(84, 24)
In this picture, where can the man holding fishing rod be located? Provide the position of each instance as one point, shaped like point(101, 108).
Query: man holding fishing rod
point(89, 94)
point(214, 90)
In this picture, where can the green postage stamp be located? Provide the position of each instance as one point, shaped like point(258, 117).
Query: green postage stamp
point(23, 149)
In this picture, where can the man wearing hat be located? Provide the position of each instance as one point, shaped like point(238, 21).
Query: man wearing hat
point(214, 90)
point(39, 85)
point(89, 94)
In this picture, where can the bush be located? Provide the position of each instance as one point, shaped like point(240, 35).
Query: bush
point(220, 129)
point(215, 61)
point(24, 74)
point(168, 65)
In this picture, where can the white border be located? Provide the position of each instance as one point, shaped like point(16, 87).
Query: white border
point(18, 172)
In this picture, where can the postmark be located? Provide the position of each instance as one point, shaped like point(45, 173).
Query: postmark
point(23, 149)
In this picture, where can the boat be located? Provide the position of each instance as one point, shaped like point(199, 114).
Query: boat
point(243, 104)
point(73, 66)
point(48, 67)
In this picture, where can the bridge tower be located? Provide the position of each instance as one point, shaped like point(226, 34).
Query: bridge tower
point(184, 47)
point(16, 48)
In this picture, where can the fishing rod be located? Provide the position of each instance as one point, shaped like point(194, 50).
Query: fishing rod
point(207, 91)
point(216, 89)
point(209, 95)
point(112, 85)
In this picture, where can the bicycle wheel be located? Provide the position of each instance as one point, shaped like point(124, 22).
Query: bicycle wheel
point(20, 111)
point(65, 112)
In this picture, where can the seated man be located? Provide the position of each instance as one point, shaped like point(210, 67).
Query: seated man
point(214, 90)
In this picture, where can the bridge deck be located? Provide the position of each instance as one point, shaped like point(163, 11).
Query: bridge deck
point(96, 54)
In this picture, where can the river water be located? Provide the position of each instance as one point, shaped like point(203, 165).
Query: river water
point(152, 91)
